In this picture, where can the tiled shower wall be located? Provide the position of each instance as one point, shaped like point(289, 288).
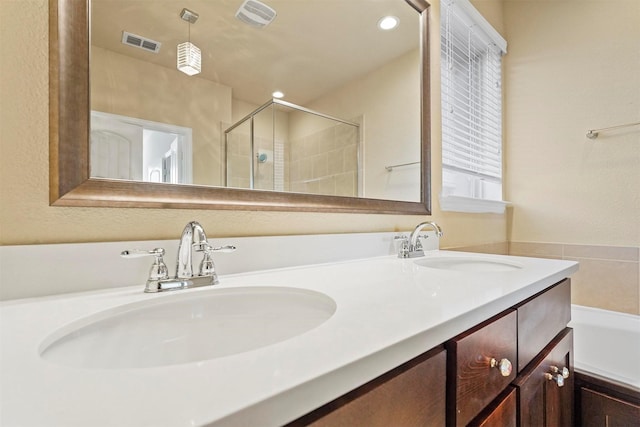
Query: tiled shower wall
point(608, 278)
point(326, 162)
point(270, 175)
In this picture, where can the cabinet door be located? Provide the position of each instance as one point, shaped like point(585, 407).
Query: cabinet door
point(501, 413)
point(601, 410)
point(546, 396)
point(410, 395)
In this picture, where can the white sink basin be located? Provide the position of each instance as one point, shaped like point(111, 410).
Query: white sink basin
point(469, 264)
point(188, 328)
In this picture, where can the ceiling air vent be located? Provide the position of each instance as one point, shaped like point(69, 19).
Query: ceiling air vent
point(255, 13)
point(141, 42)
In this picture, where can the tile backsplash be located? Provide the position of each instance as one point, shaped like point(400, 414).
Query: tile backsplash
point(608, 278)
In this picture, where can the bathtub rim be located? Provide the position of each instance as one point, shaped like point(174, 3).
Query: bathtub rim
point(608, 314)
point(607, 317)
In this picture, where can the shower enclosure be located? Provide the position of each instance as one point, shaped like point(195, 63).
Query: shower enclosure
point(281, 146)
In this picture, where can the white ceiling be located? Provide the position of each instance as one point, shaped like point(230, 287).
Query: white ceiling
point(312, 46)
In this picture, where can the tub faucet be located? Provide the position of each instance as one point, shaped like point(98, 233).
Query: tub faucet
point(193, 238)
point(413, 247)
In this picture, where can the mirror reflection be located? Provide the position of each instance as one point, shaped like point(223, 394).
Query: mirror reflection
point(350, 95)
point(295, 149)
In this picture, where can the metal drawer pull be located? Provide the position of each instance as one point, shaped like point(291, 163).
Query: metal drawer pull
point(504, 366)
point(557, 375)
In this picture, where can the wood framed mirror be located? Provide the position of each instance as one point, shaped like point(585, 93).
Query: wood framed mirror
point(71, 181)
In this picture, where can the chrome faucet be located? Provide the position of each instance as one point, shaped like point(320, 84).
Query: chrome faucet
point(412, 248)
point(193, 239)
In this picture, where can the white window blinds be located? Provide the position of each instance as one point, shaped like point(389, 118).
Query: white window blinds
point(471, 103)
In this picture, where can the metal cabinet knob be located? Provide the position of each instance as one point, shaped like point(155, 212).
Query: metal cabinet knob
point(503, 365)
point(557, 375)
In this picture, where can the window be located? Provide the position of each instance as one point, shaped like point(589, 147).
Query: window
point(471, 110)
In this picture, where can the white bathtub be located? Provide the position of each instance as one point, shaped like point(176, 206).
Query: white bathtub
point(607, 344)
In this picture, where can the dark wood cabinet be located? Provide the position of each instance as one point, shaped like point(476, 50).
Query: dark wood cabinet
point(540, 319)
point(514, 369)
point(545, 386)
point(411, 395)
point(501, 413)
point(601, 410)
point(605, 403)
point(474, 382)
point(538, 390)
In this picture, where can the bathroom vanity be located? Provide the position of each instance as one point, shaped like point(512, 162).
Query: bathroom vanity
point(393, 341)
point(479, 389)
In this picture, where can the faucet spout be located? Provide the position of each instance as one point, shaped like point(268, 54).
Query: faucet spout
point(413, 238)
point(413, 248)
point(193, 238)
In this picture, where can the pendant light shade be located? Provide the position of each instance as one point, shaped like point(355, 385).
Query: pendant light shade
point(189, 55)
point(189, 58)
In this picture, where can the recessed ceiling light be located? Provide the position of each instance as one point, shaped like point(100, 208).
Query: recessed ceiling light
point(277, 94)
point(388, 23)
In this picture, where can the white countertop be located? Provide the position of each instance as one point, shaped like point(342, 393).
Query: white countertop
point(389, 310)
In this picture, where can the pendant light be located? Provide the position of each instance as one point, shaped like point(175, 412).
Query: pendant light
point(189, 55)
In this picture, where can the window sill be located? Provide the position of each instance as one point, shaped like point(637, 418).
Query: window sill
point(471, 205)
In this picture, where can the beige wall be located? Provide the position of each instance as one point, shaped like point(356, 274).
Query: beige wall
point(574, 65)
point(130, 87)
point(27, 218)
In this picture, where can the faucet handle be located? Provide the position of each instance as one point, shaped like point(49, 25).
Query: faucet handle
point(137, 253)
point(419, 241)
point(404, 245)
point(226, 249)
point(159, 270)
point(207, 266)
point(404, 240)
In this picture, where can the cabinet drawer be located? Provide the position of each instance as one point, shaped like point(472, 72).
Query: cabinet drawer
point(540, 319)
point(474, 383)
